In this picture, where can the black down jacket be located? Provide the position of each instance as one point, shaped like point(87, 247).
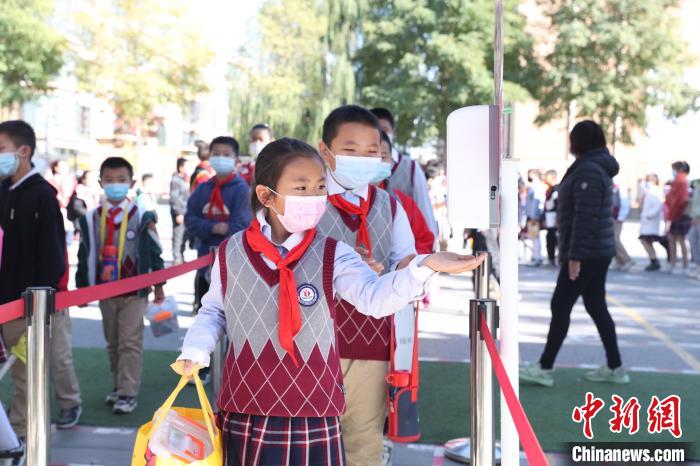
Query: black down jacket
point(584, 211)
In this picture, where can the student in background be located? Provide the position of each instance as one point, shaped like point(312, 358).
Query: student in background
point(64, 183)
point(218, 208)
point(146, 199)
point(179, 193)
point(371, 220)
point(621, 210)
point(203, 172)
point(274, 294)
point(651, 225)
point(406, 174)
point(33, 254)
point(260, 135)
point(119, 241)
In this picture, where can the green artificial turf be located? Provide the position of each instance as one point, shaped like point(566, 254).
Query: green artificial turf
point(443, 400)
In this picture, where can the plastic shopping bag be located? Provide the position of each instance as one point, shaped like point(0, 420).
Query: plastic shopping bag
point(195, 443)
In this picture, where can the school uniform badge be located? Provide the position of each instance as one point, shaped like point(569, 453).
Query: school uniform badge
point(130, 234)
point(308, 294)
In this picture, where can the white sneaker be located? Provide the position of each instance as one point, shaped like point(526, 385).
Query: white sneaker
point(386, 453)
point(626, 266)
point(679, 271)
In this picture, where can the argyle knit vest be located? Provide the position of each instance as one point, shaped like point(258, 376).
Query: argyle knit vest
point(402, 175)
point(129, 266)
point(259, 376)
point(361, 336)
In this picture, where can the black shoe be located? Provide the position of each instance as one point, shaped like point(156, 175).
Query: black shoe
point(69, 418)
point(16, 456)
point(112, 397)
point(204, 376)
point(654, 266)
point(125, 405)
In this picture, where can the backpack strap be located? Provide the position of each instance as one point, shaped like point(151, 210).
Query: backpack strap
point(413, 171)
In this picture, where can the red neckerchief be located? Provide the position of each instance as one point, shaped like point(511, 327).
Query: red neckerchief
point(289, 313)
point(363, 238)
point(111, 216)
point(215, 200)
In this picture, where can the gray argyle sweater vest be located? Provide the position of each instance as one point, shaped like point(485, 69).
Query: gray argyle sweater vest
point(360, 336)
point(402, 175)
point(129, 265)
point(259, 376)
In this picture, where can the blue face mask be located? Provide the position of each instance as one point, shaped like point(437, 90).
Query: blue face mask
point(223, 165)
point(116, 192)
point(8, 164)
point(353, 172)
point(383, 172)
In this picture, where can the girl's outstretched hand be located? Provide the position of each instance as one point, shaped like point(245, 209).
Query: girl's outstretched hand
point(450, 262)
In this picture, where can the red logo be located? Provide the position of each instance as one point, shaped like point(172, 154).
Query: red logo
point(665, 415)
point(587, 412)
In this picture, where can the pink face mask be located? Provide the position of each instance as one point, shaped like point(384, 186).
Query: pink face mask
point(301, 213)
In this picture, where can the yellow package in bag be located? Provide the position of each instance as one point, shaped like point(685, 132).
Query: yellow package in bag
point(179, 436)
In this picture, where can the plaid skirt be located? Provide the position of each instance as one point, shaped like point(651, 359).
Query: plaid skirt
point(251, 440)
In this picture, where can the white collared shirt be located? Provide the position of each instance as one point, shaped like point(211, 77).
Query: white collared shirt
point(123, 204)
point(403, 242)
point(353, 281)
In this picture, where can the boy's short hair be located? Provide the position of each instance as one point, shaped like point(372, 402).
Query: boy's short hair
point(681, 166)
point(146, 176)
point(228, 140)
point(384, 114)
point(347, 114)
point(20, 133)
point(181, 162)
point(117, 162)
point(262, 127)
point(385, 138)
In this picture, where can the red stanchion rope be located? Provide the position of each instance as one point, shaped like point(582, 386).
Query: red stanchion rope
point(15, 309)
point(533, 450)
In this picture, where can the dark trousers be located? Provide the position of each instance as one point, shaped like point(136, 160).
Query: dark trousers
point(178, 241)
point(591, 286)
point(551, 244)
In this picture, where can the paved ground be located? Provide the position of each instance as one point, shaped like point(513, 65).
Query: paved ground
point(657, 318)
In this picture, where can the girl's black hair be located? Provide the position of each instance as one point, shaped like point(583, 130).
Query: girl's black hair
point(271, 162)
point(586, 136)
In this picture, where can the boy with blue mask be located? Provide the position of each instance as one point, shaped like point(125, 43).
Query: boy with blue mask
point(33, 254)
point(120, 241)
point(219, 207)
point(368, 218)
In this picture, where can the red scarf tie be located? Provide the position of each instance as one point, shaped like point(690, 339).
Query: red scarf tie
point(363, 238)
point(289, 313)
point(216, 200)
point(111, 216)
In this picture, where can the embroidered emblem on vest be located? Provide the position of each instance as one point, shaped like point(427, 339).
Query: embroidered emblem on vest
point(130, 234)
point(308, 294)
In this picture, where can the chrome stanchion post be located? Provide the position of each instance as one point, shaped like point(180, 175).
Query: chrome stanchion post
point(480, 449)
point(38, 307)
point(483, 434)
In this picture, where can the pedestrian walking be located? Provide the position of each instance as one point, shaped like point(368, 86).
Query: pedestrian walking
point(550, 215)
point(120, 240)
point(651, 227)
point(586, 248)
point(33, 254)
point(677, 204)
point(179, 194)
point(621, 210)
point(534, 211)
point(203, 172)
point(694, 233)
point(64, 183)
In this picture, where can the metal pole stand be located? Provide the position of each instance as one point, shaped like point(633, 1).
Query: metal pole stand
point(485, 452)
point(39, 305)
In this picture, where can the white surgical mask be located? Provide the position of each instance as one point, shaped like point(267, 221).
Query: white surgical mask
point(9, 162)
point(354, 171)
point(222, 164)
point(256, 147)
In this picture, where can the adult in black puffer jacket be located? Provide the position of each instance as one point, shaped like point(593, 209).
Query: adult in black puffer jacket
point(586, 248)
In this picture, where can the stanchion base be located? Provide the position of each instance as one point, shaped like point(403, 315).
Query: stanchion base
point(459, 450)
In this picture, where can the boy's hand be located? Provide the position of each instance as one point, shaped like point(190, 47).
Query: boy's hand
point(158, 294)
point(373, 264)
point(450, 262)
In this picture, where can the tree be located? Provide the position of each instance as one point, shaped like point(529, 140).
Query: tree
point(612, 60)
point(139, 54)
point(301, 68)
point(423, 59)
point(31, 52)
